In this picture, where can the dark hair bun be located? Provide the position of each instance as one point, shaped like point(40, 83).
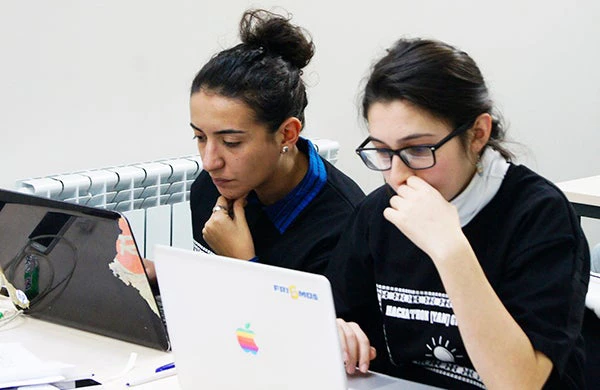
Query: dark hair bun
point(277, 36)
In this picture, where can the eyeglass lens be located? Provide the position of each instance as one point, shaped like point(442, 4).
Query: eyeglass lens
point(418, 157)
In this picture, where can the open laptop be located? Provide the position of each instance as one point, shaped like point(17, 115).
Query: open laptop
point(241, 325)
point(79, 267)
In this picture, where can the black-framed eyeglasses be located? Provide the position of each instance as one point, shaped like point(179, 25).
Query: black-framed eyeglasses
point(415, 157)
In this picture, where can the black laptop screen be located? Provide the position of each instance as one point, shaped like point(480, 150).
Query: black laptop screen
point(79, 267)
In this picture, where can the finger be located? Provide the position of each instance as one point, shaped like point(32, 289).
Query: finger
point(364, 348)
point(416, 182)
point(342, 336)
point(221, 202)
point(398, 206)
point(424, 189)
point(238, 210)
point(221, 205)
point(218, 208)
point(150, 270)
point(207, 234)
point(214, 224)
point(349, 341)
point(419, 185)
point(372, 353)
point(396, 202)
point(227, 203)
point(405, 191)
point(394, 216)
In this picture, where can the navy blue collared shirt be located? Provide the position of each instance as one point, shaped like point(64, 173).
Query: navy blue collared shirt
point(283, 212)
point(297, 232)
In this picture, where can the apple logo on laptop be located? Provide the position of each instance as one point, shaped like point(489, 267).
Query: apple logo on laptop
point(245, 337)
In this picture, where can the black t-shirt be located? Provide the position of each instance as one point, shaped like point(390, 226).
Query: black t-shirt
point(532, 250)
point(306, 244)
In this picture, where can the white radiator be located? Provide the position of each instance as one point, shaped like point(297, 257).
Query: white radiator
point(154, 196)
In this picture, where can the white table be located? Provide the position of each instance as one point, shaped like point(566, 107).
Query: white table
point(90, 353)
point(106, 357)
point(584, 194)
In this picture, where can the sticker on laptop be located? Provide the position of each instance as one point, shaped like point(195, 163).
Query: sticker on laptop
point(295, 293)
point(245, 337)
point(128, 267)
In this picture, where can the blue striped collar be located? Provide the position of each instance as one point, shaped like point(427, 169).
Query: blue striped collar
point(283, 212)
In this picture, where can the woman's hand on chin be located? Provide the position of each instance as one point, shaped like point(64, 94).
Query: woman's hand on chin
point(227, 231)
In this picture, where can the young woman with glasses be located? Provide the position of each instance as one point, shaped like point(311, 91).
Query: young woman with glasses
point(465, 269)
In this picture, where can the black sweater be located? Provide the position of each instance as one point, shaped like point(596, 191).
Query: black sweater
point(533, 252)
point(306, 245)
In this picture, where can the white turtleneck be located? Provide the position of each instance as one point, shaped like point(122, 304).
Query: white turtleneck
point(483, 186)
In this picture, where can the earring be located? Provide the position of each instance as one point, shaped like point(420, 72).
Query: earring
point(479, 166)
point(284, 149)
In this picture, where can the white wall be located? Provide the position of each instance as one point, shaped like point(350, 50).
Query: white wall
point(86, 84)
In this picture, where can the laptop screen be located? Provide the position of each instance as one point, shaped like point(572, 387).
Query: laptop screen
point(273, 328)
point(79, 266)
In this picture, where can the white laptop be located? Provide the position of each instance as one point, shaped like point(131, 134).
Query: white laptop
point(239, 325)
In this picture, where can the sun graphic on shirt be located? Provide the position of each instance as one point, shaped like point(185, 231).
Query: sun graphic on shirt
point(442, 350)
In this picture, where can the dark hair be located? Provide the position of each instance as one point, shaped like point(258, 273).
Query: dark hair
point(264, 71)
point(438, 78)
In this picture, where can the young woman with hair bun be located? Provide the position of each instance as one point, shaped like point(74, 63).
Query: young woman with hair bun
point(264, 193)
